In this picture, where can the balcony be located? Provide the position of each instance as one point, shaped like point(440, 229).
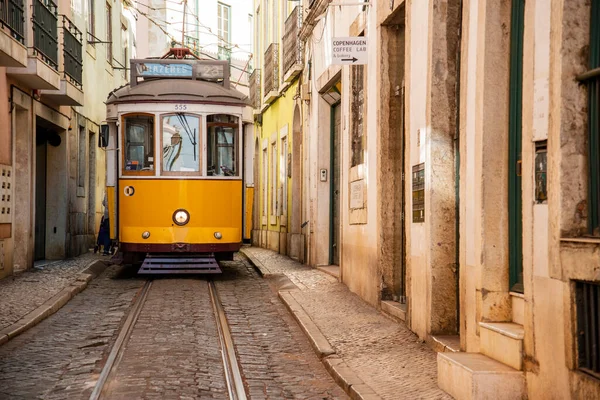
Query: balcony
point(13, 52)
point(70, 92)
point(292, 47)
point(224, 53)
point(72, 52)
point(271, 73)
point(255, 89)
point(41, 71)
point(45, 31)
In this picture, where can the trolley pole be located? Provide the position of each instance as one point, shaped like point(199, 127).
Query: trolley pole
point(183, 27)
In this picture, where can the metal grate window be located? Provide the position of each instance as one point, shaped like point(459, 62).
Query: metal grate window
point(587, 297)
point(358, 112)
point(592, 79)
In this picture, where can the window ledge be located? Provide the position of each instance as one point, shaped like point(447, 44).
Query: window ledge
point(591, 240)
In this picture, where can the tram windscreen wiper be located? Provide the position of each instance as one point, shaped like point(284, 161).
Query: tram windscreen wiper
point(188, 130)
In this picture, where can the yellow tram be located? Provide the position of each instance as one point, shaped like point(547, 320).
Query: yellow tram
point(175, 166)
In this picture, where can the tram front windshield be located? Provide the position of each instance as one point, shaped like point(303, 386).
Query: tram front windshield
point(180, 147)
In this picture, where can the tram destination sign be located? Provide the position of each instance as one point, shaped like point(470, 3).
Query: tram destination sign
point(164, 70)
point(210, 70)
point(349, 50)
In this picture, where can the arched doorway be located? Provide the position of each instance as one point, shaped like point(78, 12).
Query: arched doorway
point(296, 171)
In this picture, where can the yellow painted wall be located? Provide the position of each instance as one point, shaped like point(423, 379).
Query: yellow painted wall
point(279, 114)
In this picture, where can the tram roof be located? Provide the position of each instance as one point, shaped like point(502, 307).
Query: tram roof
point(174, 89)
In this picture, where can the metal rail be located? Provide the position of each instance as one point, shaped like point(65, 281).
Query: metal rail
point(116, 352)
point(233, 376)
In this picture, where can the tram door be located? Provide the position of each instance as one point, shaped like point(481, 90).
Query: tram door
point(334, 228)
point(40, 194)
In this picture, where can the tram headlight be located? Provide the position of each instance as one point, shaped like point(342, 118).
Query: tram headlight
point(146, 235)
point(218, 235)
point(181, 217)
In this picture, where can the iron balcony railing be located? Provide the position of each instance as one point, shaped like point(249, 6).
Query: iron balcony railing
point(271, 68)
point(191, 43)
point(292, 47)
point(12, 16)
point(255, 88)
point(224, 53)
point(73, 52)
point(45, 31)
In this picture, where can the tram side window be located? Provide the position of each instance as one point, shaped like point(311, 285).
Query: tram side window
point(139, 143)
point(222, 145)
point(180, 148)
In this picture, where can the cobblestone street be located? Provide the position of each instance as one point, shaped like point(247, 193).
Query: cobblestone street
point(173, 350)
point(22, 294)
point(61, 357)
point(382, 354)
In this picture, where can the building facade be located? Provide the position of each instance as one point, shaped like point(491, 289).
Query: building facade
point(453, 178)
point(275, 95)
point(58, 61)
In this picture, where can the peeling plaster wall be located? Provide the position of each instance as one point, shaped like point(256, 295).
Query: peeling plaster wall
point(432, 39)
point(544, 342)
point(416, 126)
point(484, 170)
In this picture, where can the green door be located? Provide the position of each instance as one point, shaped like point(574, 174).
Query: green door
point(334, 194)
point(515, 200)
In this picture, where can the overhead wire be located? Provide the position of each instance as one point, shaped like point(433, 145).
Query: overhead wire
point(173, 40)
point(195, 16)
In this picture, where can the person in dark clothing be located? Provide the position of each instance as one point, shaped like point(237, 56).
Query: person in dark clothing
point(104, 241)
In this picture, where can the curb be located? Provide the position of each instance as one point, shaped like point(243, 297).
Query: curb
point(54, 303)
point(259, 266)
point(343, 375)
point(318, 341)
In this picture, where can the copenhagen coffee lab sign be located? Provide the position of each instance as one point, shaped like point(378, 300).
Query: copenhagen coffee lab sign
point(349, 51)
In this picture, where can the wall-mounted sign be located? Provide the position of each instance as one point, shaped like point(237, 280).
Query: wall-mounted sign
point(349, 51)
point(541, 168)
point(418, 197)
point(357, 194)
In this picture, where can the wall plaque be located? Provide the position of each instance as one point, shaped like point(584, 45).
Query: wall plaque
point(541, 167)
point(418, 197)
point(357, 194)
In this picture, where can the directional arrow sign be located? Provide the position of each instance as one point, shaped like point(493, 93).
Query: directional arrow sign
point(349, 50)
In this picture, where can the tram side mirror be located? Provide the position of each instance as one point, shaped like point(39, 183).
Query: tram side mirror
point(103, 137)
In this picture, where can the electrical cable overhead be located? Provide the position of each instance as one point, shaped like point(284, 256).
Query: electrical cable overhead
point(175, 41)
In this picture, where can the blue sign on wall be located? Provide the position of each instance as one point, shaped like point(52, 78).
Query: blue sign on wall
point(169, 70)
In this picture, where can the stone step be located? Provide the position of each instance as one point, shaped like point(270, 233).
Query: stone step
point(503, 341)
point(470, 376)
point(447, 343)
point(518, 308)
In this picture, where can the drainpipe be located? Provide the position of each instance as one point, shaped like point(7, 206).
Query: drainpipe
point(457, 171)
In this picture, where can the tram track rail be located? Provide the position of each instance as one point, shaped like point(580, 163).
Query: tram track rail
point(116, 352)
point(233, 376)
point(232, 371)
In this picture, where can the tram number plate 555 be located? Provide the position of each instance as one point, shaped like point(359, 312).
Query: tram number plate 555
point(180, 107)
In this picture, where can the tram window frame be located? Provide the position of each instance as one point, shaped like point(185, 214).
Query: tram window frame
point(151, 140)
point(214, 149)
point(199, 147)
